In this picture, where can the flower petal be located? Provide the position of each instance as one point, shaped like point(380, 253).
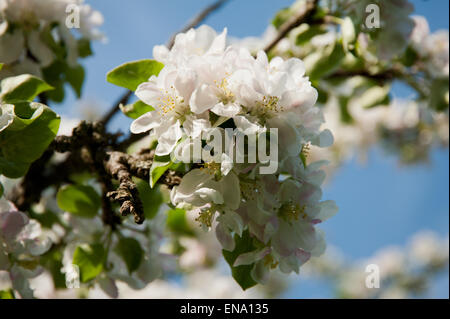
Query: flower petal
point(146, 122)
point(202, 99)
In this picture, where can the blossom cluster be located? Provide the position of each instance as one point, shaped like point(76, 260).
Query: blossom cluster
point(34, 33)
point(83, 232)
point(22, 241)
point(390, 36)
point(207, 86)
point(433, 48)
point(406, 128)
point(404, 271)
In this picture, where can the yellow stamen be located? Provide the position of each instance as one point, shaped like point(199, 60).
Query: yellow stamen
point(205, 217)
point(291, 212)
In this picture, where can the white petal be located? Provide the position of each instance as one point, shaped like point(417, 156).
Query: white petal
point(194, 126)
point(296, 99)
point(325, 139)
point(210, 195)
point(231, 190)
point(218, 45)
point(145, 122)
point(108, 285)
point(227, 110)
point(226, 164)
point(202, 99)
point(260, 273)
point(185, 83)
point(11, 46)
point(320, 245)
point(328, 209)
point(288, 137)
point(12, 223)
point(39, 49)
point(233, 221)
point(224, 237)
point(247, 127)
point(6, 116)
point(160, 53)
point(168, 140)
point(251, 257)
point(149, 93)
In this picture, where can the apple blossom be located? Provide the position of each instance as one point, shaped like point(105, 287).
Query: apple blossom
point(24, 24)
point(205, 84)
point(21, 242)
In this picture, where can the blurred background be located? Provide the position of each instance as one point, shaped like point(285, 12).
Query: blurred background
point(382, 204)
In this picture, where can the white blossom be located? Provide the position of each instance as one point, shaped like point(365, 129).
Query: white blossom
point(21, 241)
point(23, 23)
point(432, 47)
point(205, 84)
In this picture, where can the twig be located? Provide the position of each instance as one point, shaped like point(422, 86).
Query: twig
point(386, 75)
point(131, 139)
point(139, 166)
point(193, 23)
point(91, 148)
point(197, 20)
point(303, 16)
point(123, 100)
point(127, 194)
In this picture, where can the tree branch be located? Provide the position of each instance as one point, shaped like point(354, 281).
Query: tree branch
point(193, 23)
point(301, 17)
point(123, 100)
point(127, 194)
point(197, 20)
point(92, 148)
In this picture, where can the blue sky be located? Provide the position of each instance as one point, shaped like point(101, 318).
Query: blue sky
point(381, 203)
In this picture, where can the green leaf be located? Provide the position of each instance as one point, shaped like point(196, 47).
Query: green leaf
point(131, 74)
point(90, 260)
point(56, 46)
point(52, 261)
point(1, 66)
point(23, 87)
point(57, 95)
point(281, 17)
point(54, 75)
point(409, 57)
point(151, 198)
point(79, 200)
point(159, 166)
point(7, 294)
point(84, 48)
point(177, 223)
point(307, 33)
point(322, 95)
point(439, 90)
point(346, 117)
point(131, 252)
point(136, 109)
point(47, 219)
point(23, 142)
point(242, 274)
point(324, 62)
point(75, 77)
